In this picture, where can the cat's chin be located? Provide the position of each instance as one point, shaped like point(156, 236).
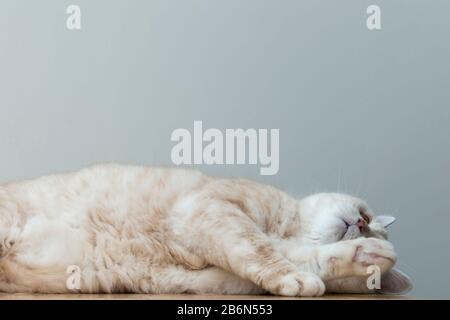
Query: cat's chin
point(395, 282)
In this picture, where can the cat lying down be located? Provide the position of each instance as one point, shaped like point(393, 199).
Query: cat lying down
point(154, 230)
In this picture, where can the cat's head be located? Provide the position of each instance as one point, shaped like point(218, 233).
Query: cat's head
point(331, 217)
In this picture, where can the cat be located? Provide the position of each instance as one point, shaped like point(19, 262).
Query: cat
point(132, 229)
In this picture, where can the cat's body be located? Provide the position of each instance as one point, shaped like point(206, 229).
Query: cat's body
point(154, 230)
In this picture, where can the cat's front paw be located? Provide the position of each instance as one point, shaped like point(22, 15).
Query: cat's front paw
point(301, 284)
point(372, 251)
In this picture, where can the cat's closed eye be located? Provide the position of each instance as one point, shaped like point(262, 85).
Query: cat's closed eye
point(365, 216)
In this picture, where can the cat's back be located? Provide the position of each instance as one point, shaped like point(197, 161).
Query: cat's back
point(104, 185)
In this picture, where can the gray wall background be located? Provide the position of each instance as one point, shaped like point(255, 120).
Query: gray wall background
point(360, 112)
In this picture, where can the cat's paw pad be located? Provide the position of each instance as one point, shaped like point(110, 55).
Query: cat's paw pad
point(372, 251)
point(300, 284)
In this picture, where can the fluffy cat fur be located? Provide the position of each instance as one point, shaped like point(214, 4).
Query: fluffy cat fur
point(157, 230)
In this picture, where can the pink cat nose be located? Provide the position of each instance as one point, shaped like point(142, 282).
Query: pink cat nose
point(361, 224)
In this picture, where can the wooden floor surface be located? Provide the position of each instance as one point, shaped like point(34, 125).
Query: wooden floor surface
point(4, 296)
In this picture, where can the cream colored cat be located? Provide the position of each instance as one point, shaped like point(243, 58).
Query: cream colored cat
point(154, 230)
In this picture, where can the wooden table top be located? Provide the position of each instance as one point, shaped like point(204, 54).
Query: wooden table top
point(20, 296)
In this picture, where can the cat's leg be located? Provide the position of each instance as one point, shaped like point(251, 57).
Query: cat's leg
point(342, 259)
point(221, 234)
point(211, 280)
point(354, 257)
point(332, 262)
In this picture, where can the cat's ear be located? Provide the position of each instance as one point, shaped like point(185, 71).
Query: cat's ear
point(395, 282)
point(385, 221)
